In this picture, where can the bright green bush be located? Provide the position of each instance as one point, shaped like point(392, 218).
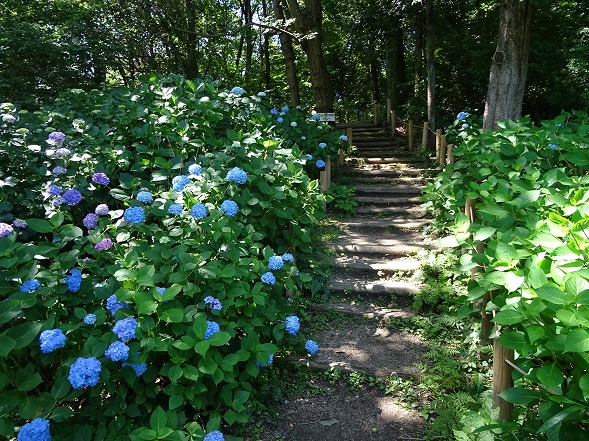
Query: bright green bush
point(209, 204)
point(531, 187)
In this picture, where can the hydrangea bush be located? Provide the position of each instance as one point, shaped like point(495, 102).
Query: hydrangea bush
point(144, 293)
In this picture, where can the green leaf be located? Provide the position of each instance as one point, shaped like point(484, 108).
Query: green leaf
point(30, 382)
point(449, 242)
point(552, 293)
point(577, 340)
point(584, 385)
point(512, 339)
point(219, 338)
point(484, 233)
point(158, 419)
point(40, 225)
point(510, 281)
point(174, 373)
point(7, 344)
point(520, 395)
point(174, 315)
point(534, 332)
point(575, 284)
point(550, 376)
point(202, 347)
point(561, 416)
point(506, 253)
point(508, 317)
point(24, 333)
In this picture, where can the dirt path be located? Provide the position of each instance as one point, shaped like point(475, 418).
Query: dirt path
point(373, 281)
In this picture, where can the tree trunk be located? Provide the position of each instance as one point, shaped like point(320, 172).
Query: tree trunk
point(191, 65)
point(375, 81)
point(509, 67)
point(266, 52)
point(396, 69)
point(309, 23)
point(289, 57)
point(249, 38)
point(431, 64)
point(418, 52)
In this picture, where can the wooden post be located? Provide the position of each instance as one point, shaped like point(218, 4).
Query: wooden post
point(443, 150)
point(328, 172)
point(424, 136)
point(388, 110)
point(349, 135)
point(375, 113)
point(341, 158)
point(393, 123)
point(450, 155)
point(323, 181)
point(410, 134)
point(438, 139)
point(502, 379)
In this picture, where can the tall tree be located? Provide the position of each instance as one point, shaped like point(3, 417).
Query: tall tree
point(289, 56)
point(510, 63)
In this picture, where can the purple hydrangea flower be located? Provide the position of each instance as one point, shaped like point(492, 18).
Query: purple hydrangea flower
point(56, 138)
point(100, 178)
point(7, 117)
point(236, 174)
point(212, 327)
point(112, 305)
point(198, 211)
point(213, 303)
point(58, 170)
point(179, 182)
point(19, 223)
point(30, 285)
point(62, 152)
point(134, 215)
point(230, 208)
point(54, 190)
point(102, 210)
point(175, 209)
point(103, 245)
point(268, 278)
point(84, 372)
point(320, 163)
point(57, 201)
point(51, 340)
point(36, 430)
point(312, 347)
point(195, 169)
point(90, 319)
point(125, 328)
point(71, 197)
point(145, 196)
point(74, 280)
point(292, 324)
point(275, 262)
point(90, 221)
point(117, 351)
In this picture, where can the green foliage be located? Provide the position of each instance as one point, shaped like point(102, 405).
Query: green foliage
point(531, 189)
point(161, 269)
point(341, 199)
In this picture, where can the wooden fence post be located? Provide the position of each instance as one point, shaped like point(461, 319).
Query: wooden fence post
point(438, 140)
point(410, 134)
point(388, 110)
point(393, 123)
point(502, 379)
point(424, 136)
point(328, 172)
point(450, 155)
point(443, 150)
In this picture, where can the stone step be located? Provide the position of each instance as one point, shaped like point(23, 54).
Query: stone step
point(384, 160)
point(383, 249)
point(411, 213)
point(367, 311)
point(399, 189)
point(417, 181)
point(372, 172)
point(388, 200)
point(375, 266)
point(392, 222)
point(371, 288)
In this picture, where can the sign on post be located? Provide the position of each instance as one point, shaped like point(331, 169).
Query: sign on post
point(326, 117)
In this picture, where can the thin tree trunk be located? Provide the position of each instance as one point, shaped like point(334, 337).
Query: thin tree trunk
point(191, 65)
point(418, 52)
point(266, 51)
point(431, 63)
point(249, 37)
point(289, 57)
point(509, 68)
point(396, 69)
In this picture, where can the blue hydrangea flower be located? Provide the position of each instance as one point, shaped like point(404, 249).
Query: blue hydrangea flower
point(285, 109)
point(268, 278)
point(212, 327)
point(84, 372)
point(90, 319)
point(465, 126)
point(179, 182)
point(175, 209)
point(198, 211)
point(275, 262)
point(112, 305)
point(270, 360)
point(213, 303)
point(309, 157)
point(237, 91)
point(71, 197)
point(304, 138)
point(135, 215)
point(461, 116)
point(51, 340)
point(215, 435)
point(100, 178)
point(54, 190)
point(195, 169)
point(19, 223)
point(340, 101)
point(279, 119)
point(236, 174)
point(322, 145)
point(101, 209)
point(62, 152)
point(160, 290)
point(230, 208)
point(74, 280)
point(292, 324)
point(36, 430)
point(125, 328)
point(293, 124)
point(287, 257)
point(30, 285)
point(90, 221)
point(56, 138)
point(315, 117)
point(312, 347)
point(145, 196)
point(274, 111)
point(261, 94)
point(552, 146)
point(139, 368)
point(343, 138)
point(117, 351)
point(57, 201)
point(59, 170)
point(320, 163)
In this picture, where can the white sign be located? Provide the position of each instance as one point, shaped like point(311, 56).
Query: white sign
point(326, 116)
